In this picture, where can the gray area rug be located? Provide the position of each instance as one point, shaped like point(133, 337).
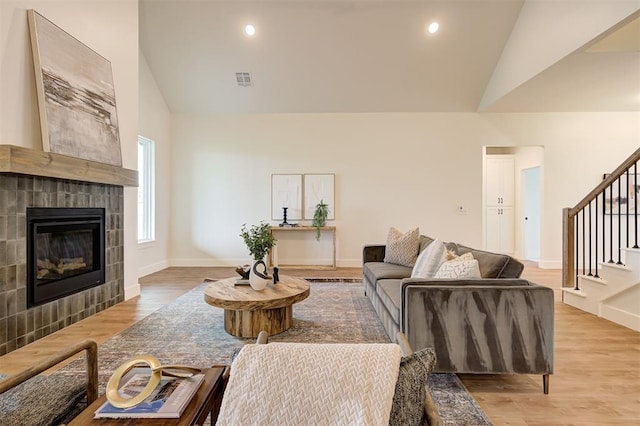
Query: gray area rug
point(191, 332)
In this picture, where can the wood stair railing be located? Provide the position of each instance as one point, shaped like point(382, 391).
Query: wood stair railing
point(572, 245)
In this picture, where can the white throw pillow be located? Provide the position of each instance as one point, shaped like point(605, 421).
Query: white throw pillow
point(467, 256)
point(459, 269)
point(402, 249)
point(429, 260)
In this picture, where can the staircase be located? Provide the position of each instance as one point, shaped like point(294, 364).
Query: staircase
point(615, 296)
point(601, 252)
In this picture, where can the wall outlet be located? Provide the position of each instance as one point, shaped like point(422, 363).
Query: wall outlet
point(462, 210)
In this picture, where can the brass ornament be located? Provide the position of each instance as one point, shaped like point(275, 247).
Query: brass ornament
point(157, 371)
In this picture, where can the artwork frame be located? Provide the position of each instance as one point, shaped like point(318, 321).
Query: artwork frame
point(628, 198)
point(319, 186)
point(286, 191)
point(76, 95)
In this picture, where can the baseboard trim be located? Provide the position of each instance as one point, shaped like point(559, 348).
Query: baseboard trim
point(132, 291)
point(550, 264)
point(349, 263)
point(321, 261)
point(208, 262)
point(150, 269)
point(203, 262)
point(627, 319)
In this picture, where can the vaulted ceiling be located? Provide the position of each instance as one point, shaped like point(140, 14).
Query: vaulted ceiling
point(323, 56)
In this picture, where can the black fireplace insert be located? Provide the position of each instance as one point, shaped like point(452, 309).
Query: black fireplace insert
point(65, 252)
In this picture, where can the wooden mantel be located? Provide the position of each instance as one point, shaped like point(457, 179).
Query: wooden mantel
point(26, 161)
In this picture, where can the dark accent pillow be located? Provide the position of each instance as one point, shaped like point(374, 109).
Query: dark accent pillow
point(410, 393)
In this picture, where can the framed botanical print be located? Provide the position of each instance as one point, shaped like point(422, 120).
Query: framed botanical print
point(319, 187)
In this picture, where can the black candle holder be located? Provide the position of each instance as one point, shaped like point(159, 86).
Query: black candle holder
point(284, 214)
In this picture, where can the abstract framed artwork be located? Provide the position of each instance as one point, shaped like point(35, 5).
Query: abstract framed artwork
point(76, 96)
point(627, 200)
point(286, 191)
point(319, 187)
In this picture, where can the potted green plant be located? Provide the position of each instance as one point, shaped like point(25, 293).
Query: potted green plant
point(320, 217)
point(259, 241)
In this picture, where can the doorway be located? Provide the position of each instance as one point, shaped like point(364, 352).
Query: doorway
point(531, 213)
point(527, 184)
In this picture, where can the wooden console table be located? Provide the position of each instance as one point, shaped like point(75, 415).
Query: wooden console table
point(274, 254)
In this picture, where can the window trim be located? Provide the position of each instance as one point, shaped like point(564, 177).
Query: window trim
point(147, 185)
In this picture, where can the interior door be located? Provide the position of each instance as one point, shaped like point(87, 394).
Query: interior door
point(531, 213)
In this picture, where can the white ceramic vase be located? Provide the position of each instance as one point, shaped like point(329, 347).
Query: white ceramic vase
point(258, 277)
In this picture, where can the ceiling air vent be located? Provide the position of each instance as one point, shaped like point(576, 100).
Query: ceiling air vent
point(244, 79)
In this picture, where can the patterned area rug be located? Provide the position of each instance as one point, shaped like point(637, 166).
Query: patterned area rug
point(191, 332)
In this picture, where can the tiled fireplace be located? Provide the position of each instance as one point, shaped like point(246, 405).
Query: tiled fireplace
point(65, 252)
point(20, 324)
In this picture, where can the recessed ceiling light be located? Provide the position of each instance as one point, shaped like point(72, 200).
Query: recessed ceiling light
point(433, 27)
point(250, 30)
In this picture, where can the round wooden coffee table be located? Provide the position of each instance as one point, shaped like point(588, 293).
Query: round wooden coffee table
point(247, 312)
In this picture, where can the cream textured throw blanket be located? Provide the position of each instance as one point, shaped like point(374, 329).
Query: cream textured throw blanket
point(311, 384)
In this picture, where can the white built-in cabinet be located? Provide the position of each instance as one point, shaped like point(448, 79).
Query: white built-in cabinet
point(499, 202)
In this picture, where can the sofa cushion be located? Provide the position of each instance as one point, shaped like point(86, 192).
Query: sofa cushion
point(375, 271)
point(64, 396)
point(429, 260)
point(402, 249)
point(390, 293)
point(411, 392)
point(492, 265)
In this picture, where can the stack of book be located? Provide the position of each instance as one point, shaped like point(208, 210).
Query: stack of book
point(168, 400)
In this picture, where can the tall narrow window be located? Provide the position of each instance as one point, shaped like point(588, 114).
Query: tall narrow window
point(146, 199)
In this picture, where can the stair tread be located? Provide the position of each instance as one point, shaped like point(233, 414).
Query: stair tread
point(574, 291)
point(631, 249)
point(594, 279)
point(615, 266)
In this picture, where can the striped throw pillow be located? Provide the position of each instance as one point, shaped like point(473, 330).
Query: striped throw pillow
point(429, 260)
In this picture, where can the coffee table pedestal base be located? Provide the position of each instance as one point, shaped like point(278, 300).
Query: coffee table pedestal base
point(250, 323)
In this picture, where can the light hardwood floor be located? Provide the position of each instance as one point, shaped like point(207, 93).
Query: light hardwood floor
point(597, 363)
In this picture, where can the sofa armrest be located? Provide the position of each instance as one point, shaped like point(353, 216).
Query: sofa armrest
point(87, 345)
point(373, 253)
point(482, 325)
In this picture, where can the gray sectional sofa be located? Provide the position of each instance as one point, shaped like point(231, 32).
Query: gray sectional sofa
point(496, 324)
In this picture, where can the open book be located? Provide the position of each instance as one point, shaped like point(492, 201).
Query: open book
point(168, 400)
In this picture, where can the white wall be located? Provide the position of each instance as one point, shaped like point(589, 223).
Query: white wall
point(578, 149)
point(155, 124)
point(111, 29)
point(391, 169)
point(540, 38)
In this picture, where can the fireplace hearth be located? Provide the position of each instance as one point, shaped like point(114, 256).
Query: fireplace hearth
point(65, 252)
